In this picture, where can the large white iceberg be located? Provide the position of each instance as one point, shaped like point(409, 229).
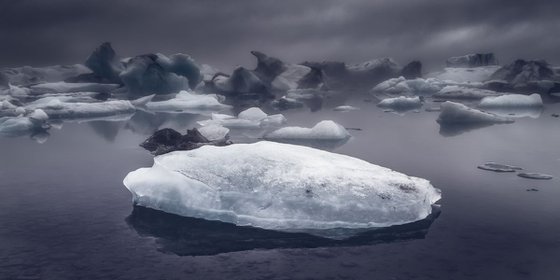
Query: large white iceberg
point(281, 187)
point(511, 101)
point(457, 113)
point(186, 101)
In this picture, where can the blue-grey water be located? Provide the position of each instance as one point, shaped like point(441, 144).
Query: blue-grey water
point(65, 214)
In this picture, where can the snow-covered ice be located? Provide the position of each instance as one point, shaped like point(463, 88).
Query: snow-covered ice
point(251, 118)
point(457, 113)
point(401, 85)
point(281, 187)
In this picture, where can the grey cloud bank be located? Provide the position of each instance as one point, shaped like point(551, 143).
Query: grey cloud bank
point(222, 33)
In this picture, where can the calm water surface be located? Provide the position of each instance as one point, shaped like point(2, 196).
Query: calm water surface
point(65, 214)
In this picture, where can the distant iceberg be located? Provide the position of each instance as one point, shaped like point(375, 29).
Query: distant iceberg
point(186, 101)
point(281, 187)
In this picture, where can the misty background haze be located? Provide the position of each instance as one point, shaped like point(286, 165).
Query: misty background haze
point(221, 33)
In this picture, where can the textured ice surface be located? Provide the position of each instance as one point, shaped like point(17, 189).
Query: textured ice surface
point(62, 87)
point(401, 103)
point(324, 130)
point(457, 113)
point(401, 85)
point(477, 74)
point(512, 101)
point(188, 101)
point(32, 75)
point(280, 186)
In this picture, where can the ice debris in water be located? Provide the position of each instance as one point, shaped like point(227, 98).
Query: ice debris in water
point(281, 187)
point(324, 130)
point(456, 113)
point(188, 101)
point(214, 132)
point(498, 167)
point(401, 103)
point(511, 101)
point(464, 93)
point(36, 120)
point(253, 117)
point(536, 176)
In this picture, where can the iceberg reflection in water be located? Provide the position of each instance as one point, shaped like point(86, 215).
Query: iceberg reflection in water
point(185, 236)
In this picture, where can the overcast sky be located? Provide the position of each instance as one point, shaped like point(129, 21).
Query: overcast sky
point(222, 33)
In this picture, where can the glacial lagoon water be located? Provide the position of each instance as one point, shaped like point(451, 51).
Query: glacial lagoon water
point(65, 214)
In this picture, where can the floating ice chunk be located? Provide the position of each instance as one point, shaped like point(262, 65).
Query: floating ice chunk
point(15, 126)
point(464, 75)
point(536, 176)
point(281, 187)
point(252, 114)
point(16, 91)
point(498, 167)
point(59, 108)
point(62, 87)
point(324, 130)
point(214, 132)
point(464, 93)
point(456, 113)
point(252, 118)
point(346, 108)
point(189, 102)
point(511, 101)
point(401, 103)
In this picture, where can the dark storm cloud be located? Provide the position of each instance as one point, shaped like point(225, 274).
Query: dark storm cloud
point(222, 33)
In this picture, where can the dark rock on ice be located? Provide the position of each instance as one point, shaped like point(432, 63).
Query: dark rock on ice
point(168, 140)
point(536, 176)
point(472, 60)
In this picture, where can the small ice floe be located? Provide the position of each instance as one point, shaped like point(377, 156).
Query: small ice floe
point(498, 167)
point(456, 113)
point(346, 108)
point(511, 101)
point(325, 134)
point(401, 85)
point(461, 74)
point(63, 87)
point(534, 175)
point(251, 118)
point(464, 93)
point(280, 187)
point(189, 102)
point(532, 190)
point(401, 103)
